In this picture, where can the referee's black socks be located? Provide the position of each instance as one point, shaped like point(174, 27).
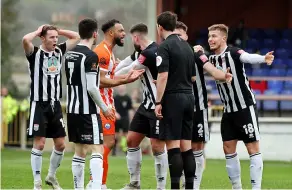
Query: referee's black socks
point(189, 166)
point(175, 162)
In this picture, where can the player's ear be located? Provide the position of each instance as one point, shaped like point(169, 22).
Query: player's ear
point(225, 38)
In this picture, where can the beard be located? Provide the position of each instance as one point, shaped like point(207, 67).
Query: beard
point(119, 42)
point(137, 47)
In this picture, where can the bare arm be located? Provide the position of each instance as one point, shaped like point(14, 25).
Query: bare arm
point(108, 82)
point(73, 38)
point(161, 84)
point(27, 40)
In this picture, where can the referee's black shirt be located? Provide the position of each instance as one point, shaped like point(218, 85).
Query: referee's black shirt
point(176, 57)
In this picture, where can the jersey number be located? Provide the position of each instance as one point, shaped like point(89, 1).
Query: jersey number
point(71, 69)
point(200, 130)
point(248, 128)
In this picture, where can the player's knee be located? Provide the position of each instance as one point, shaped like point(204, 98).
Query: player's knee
point(253, 147)
point(229, 148)
point(132, 143)
point(196, 146)
point(157, 146)
point(59, 144)
point(110, 142)
point(39, 143)
point(97, 149)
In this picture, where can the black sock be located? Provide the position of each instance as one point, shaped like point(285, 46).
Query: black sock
point(189, 165)
point(175, 166)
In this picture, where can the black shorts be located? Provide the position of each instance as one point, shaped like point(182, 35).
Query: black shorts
point(241, 125)
point(84, 128)
point(178, 113)
point(122, 125)
point(145, 122)
point(201, 131)
point(46, 120)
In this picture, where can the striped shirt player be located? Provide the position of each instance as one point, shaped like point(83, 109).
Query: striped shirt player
point(84, 123)
point(237, 97)
point(200, 129)
point(46, 120)
point(45, 92)
point(144, 120)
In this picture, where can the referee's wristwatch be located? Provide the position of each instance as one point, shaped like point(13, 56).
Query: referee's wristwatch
point(157, 103)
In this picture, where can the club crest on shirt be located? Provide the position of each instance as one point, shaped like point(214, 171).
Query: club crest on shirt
point(53, 65)
point(36, 127)
point(102, 61)
point(107, 126)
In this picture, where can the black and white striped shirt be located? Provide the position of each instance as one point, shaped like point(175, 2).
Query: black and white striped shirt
point(45, 73)
point(199, 86)
point(238, 94)
point(79, 61)
point(148, 59)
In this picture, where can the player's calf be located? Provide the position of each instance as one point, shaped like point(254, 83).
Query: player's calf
point(36, 160)
point(161, 162)
point(256, 164)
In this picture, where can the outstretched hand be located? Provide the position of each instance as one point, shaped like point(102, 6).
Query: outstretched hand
point(269, 58)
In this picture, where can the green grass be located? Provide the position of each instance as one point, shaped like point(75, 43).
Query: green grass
point(16, 173)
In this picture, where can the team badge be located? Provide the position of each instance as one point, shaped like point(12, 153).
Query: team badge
point(36, 127)
point(107, 126)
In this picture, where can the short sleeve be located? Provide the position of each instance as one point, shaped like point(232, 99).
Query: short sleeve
point(62, 47)
point(91, 65)
point(162, 59)
point(103, 58)
point(147, 58)
point(236, 52)
point(201, 58)
point(31, 57)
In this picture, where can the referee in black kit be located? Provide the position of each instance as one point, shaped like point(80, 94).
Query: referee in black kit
point(175, 101)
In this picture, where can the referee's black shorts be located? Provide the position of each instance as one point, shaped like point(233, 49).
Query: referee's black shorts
point(178, 113)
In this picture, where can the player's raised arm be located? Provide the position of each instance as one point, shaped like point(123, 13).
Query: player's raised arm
point(73, 38)
point(27, 40)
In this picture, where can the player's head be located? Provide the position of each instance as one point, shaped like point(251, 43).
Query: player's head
point(181, 29)
point(88, 29)
point(166, 22)
point(217, 37)
point(49, 37)
point(115, 30)
point(138, 34)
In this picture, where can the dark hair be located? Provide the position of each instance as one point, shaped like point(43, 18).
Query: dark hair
point(167, 20)
point(106, 26)
point(87, 27)
point(181, 25)
point(46, 28)
point(141, 27)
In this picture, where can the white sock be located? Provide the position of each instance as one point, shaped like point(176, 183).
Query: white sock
point(36, 163)
point(134, 160)
point(78, 164)
point(55, 160)
point(256, 170)
point(200, 161)
point(96, 170)
point(182, 178)
point(233, 170)
point(161, 167)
